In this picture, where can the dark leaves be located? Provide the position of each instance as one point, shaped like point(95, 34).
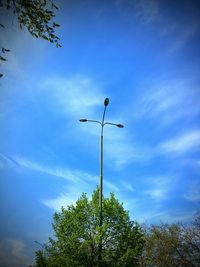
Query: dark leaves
point(5, 50)
point(36, 16)
point(2, 58)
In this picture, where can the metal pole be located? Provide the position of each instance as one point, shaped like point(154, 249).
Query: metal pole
point(101, 189)
point(101, 196)
point(101, 180)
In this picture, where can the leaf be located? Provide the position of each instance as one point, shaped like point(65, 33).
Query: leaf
point(53, 5)
point(5, 50)
point(2, 58)
point(45, 37)
point(56, 24)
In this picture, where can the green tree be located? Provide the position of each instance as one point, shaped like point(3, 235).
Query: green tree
point(77, 235)
point(37, 16)
point(40, 259)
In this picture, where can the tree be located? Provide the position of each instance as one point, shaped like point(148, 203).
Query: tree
point(77, 235)
point(169, 245)
point(162, 243)
point(36, 16)
point(40, 259)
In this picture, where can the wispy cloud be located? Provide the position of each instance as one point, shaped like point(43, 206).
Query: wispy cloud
point(13, 252)
point(6, 161)
point(193, 192)
point(166, 216)
point(127, 186)
point(62, 200)
point(72, 176)
point(145, 11)
point(167, 101)
point(79, 180)
point(121, 149)
point(72, 193)
point(158, 187)
point(186, 142)
point(80, 96)
point(76, 96)
point(182, 37)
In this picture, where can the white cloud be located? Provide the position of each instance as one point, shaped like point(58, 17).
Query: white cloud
point(121, 150)
point(72, 193)
point(13, 253)
point(187, 142)
point(80, 96)
point(78, 182)
point(6, 161)
point(192, 162)
point(74, 176)
point(158, 187)
point(77, 96)
point(169, 102)
point(167, 216)
point(145, 11)
point(193, 192)
point(127, 186)
point(110, 186)
point(62, 200)
point(182, 37)
point(121, 153)
point(158, 193)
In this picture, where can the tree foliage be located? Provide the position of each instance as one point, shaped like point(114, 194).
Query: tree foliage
point(40, 259)
point(37, 16)
point(172, 245)
point(77, 235)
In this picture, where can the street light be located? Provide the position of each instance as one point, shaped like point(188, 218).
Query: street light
point(102, 123)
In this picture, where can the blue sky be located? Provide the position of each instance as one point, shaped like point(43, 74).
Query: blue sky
point(144, 56)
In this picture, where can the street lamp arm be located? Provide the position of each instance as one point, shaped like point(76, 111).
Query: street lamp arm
point(86, 120)
point(94, 121)
point(115, 124)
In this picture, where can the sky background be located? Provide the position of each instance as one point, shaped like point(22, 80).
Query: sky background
point(145, 57)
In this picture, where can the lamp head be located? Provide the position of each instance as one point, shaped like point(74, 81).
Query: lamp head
point(83, 120)
point(120, 125)
point(106, 102)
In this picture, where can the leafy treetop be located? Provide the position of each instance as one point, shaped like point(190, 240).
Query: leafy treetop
point(78, 235)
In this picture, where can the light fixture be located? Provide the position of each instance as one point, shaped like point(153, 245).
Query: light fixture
point(120, 125)
point(106, 102)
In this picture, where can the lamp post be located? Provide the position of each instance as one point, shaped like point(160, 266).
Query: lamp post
point(102, 123)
